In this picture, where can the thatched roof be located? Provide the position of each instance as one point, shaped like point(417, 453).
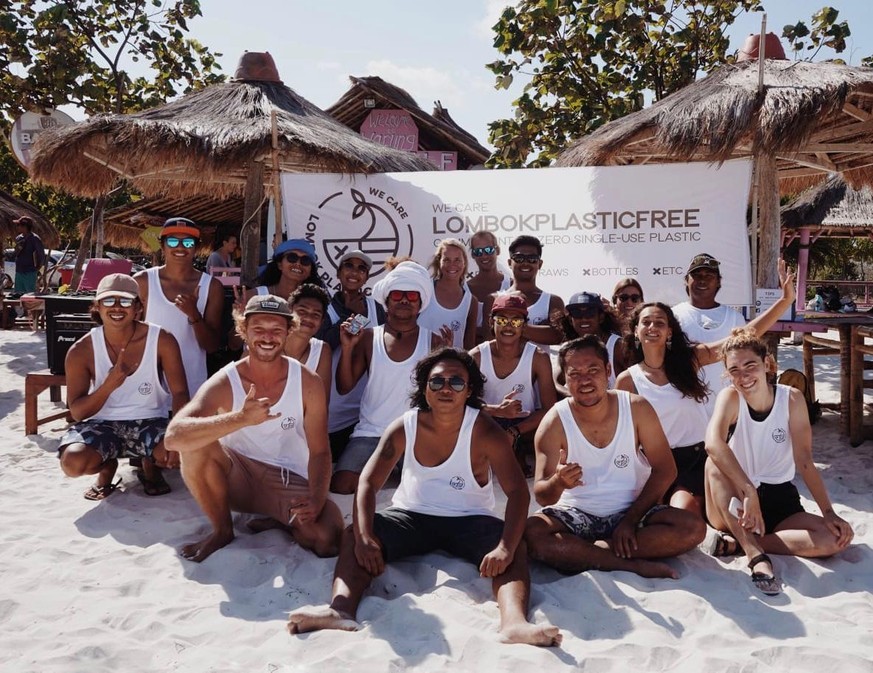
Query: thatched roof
point(436, 132)
point(814, 117)
point(203, 142)
point(12, 208)
point(832, 208)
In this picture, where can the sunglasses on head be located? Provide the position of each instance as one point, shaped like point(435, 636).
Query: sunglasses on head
point(174, 241)
point(521, 258)
point(294, 258)
point(635, 298)
point(410, 295)
point(456, 383)
point(123, 302)
point(582, 311)
point(484, 250)
point(351, 266)
point(503, 321)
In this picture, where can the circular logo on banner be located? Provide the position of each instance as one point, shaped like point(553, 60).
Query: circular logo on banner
point(372, 226)
point(288, 422)
point(145, 388)
point(621, 461)
point(779, 435)
point(28, 127)
point(457, 483)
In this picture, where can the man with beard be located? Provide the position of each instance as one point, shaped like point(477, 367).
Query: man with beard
point(603, 466)
point(254, 439)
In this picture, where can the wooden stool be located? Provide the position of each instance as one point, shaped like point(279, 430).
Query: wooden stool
point(34, 384)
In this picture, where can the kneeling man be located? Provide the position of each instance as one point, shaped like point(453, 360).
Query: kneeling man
point(254, 439)
point(603, 466)
point(445, 500)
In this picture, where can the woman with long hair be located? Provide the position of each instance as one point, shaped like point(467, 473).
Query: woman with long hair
point(294, 263)
point(666, 369)
point(453, 304)
point(626, 296)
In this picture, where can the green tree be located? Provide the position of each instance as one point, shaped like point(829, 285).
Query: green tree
point(587, 62)
point(102, 56)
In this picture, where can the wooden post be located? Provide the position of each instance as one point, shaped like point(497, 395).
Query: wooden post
point(768, 212)
point(85, 244)
point(845, 378)
point(250, 235)
point(856, 387)
point(808, 366)
point(802, 268)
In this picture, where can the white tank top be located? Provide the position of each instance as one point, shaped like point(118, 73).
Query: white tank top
point(683, 419)
point(314, 356)
point(436, 315)
point(614, 475)
point(519, 380)
point(143, 394)
point(278, 441)
point(538, 314)
point(343, 410)
point(386, 396)
point(162, 312)
point(447, 489)
point(764, 449)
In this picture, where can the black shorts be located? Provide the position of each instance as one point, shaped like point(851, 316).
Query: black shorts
point(404, 533)
point(778, 502)
point(690, 466)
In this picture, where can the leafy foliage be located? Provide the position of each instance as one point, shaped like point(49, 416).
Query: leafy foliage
point(588, 62)
point(100, 55)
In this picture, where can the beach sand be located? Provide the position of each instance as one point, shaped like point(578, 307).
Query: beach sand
point(95, 587)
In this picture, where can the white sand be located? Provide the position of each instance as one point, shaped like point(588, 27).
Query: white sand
point(100, 587)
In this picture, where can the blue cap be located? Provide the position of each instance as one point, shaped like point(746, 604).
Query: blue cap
point(300, 244)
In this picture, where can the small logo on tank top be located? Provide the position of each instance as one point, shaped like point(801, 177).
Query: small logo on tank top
point(145, 388)
point(288, 422)
point(456, 325)
point(457, 483)
point(779, 435)
point(518, 388)
point(621, 461)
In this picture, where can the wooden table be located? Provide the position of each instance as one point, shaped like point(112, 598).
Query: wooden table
point(34, 384)
point(852, 328)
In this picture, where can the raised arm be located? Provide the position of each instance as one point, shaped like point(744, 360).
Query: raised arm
point(355, 352)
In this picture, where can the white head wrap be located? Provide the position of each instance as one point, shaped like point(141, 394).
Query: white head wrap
point(405, 276)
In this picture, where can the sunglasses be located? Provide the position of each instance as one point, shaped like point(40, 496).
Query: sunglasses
point(503, 321)
point(409, 295)
point(123, 302)
point(484, 250)
point(294, 258)
point(581, 311)
point(174, 241)
point(635, 298)
point(437, 383)
point(520, 258)
point(351, 266)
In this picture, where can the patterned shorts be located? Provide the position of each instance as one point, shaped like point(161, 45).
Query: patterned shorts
point(117, 439)
point(592, 527)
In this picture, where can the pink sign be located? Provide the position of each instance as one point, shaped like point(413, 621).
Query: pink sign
point(394, 128)
point(444, 161)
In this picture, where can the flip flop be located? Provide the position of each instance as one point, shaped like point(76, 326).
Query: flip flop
point(157, 486)
point(766, 583)
point(96, 492)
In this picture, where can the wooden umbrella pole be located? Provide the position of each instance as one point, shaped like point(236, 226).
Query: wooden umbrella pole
point(756, 169)
point(277, 187)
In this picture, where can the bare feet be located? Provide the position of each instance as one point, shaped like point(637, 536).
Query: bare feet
point(532, 634)
point(199, 551)
point(652, 569)
point(266, 523)
point(303, 621)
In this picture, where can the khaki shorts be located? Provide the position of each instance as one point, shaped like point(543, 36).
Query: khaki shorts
point(258, 488)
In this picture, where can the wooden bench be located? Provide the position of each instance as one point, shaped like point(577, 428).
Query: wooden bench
point(34, 384)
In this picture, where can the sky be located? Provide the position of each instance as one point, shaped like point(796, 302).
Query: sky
point(434, 50)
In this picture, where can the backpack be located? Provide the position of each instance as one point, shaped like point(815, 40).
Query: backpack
point(797, 379)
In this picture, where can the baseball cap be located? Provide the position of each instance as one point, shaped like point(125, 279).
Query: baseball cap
point(509, 301)
point(117, 285)
point(356, 254)
point(295, 244)
point(269, 304)
point(586, 299)
point(703, 261)
point(180, 226)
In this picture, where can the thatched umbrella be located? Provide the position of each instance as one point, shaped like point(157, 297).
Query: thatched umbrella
point(11, 209)
point(808, 120)
point(224, 140)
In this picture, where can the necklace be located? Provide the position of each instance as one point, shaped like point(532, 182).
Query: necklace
point(651, 366)
point(398, 334)
point(112, 348)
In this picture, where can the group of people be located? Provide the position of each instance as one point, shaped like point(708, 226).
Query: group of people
point(443, 381)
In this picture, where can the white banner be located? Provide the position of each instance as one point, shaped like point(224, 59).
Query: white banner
point(597, 225)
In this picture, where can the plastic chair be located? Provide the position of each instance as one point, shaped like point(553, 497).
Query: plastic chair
point(99, 268)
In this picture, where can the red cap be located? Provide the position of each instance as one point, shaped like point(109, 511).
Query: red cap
point(509, 301)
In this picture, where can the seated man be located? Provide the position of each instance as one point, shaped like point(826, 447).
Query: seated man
point(445, 501)
point(116, 393)
point(757, 439)
point(603, 465)
point(254, 439)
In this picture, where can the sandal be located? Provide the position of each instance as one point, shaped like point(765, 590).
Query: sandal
point(101, 492)
point(720, 544)
point(766, 583)
point(156, 486)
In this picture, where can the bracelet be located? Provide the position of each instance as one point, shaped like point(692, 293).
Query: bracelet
point(514, 431)
point(194, 322)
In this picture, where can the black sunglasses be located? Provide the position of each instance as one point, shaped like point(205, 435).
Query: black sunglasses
point(484, 250)
point(635, 298)
point(294, 258)
point(437, 383)
point(521, 258)
point(351, 266)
